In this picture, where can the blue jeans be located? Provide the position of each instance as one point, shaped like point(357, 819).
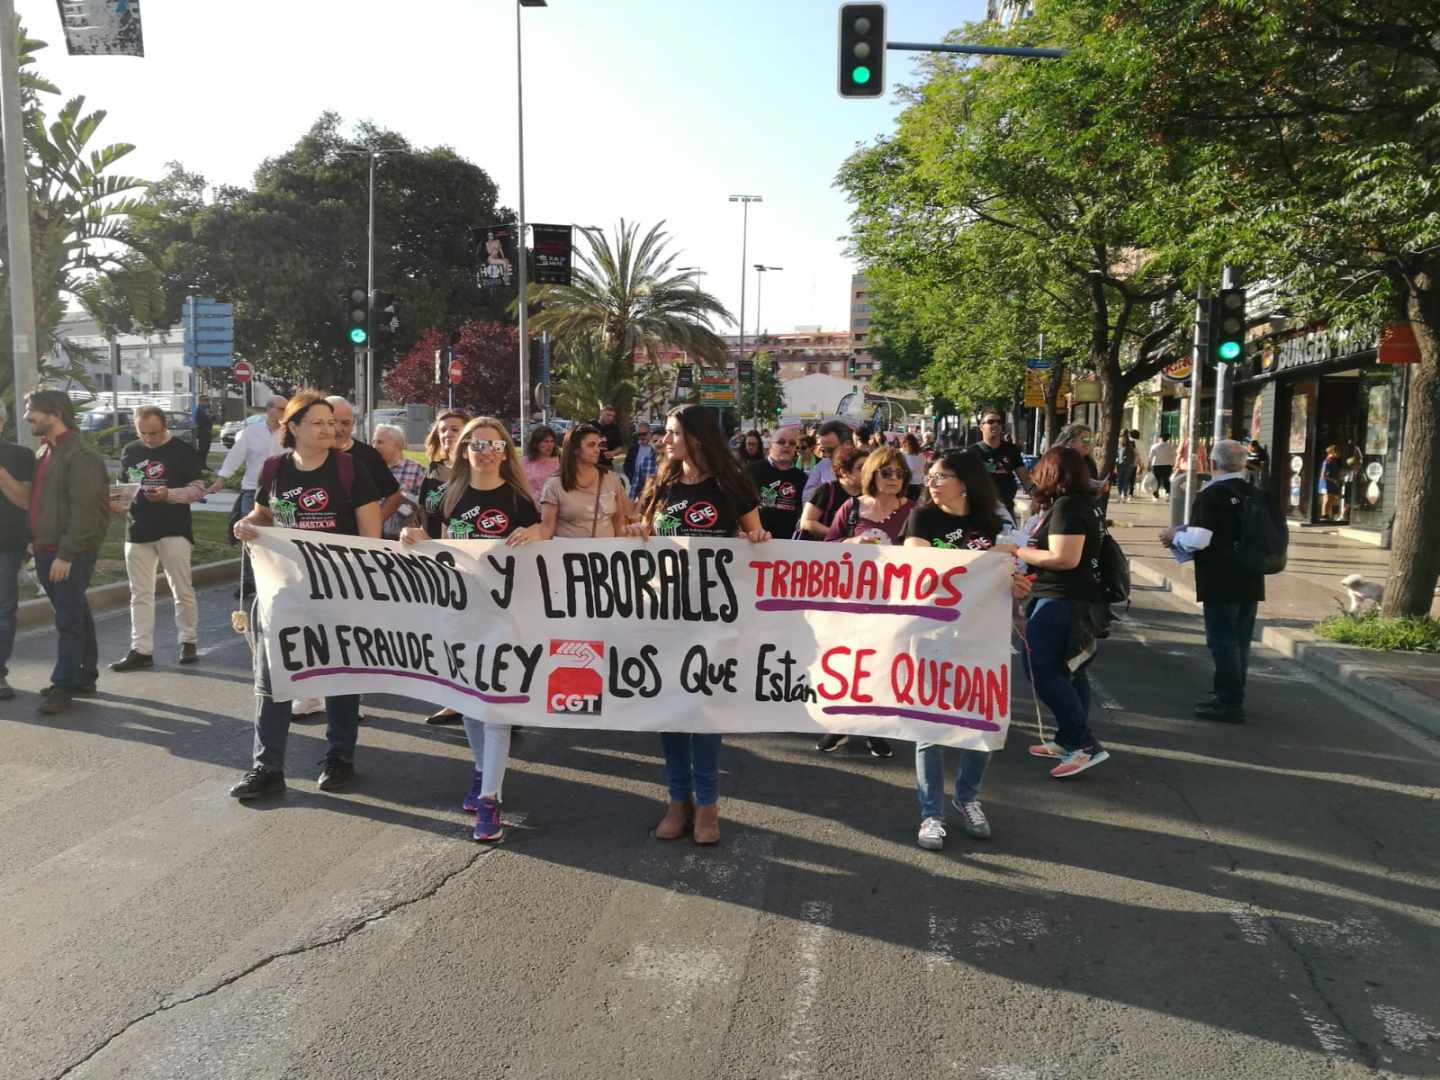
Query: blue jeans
point(245, 503)
point(692, 767)
point(1228, 630)
point(9, 603)
point(930, 777)
point(77, 657)
point(1065, 693)
point(272, 718)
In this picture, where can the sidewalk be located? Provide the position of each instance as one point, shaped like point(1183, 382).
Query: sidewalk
point(1404, 684)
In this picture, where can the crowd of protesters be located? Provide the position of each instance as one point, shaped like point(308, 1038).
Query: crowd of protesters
point(833, 484)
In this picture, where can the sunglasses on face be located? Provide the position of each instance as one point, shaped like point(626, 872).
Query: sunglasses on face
point(479, 446)
point(936, 479)
point(891, 474)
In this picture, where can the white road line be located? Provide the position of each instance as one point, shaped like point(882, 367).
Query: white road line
point(800, 1059)
point(1332, 1040)
point(1102, 695)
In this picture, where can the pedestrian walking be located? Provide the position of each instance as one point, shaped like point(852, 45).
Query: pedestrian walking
point(254, 445)
point(752, 449)
point(17, 470)
point(542, 456)
point(641, 462)
point(1125, 465)
point(1228, 590)
point(440, 444)
point(365, 455)
point(349, 505)
point(1001, 457)
point(700, 490)
point(159, 533)
point(487, 498)
point(1162, 463)
point(960, 511)
point(584, 500)
point(832, 435)
point(780, 481)
point(1182, 478)
point(390, 445)
point(1066, 606)
point(68, 514)
point(204, 433)
point(614, 438)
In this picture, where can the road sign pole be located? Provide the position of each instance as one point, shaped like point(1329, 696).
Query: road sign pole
point(1197, 386)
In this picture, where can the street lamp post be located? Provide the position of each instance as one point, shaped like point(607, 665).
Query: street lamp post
point(522, 301)
point(760, 270)
point(744, 201)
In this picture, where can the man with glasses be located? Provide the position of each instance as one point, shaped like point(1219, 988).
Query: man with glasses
point(159, 533)
point(780, 482)
point(1001, 457)
point(255, 443)
point(833, 435)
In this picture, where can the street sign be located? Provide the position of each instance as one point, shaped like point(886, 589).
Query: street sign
point(1039, 364)
point(745, 369)
point(1035, 380)
point(457, 372)
point(551, 245)
point(209, 332)
point(242, 371)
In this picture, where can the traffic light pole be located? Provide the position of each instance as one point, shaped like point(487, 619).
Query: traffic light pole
point(1227, 281)
point(1197, 385)
point(364, 404)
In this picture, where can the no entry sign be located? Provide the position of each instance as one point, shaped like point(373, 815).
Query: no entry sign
point(457, 372)
point(242, 371)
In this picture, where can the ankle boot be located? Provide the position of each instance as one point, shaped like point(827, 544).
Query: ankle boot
point(707, 824)
point(676, 821)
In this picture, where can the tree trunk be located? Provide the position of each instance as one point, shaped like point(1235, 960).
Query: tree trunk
point(1113, 392)
point(1415, 546)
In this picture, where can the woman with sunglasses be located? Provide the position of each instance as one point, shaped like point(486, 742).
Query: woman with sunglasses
point(440, 450)
point(961, 511)
point(487, 498)
point(583, 500)
point(340, 498)
point(820, 511)
point(700, 490)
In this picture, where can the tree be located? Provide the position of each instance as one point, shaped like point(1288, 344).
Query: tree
point(627, 301)
point(763, 397)
point(488, 352)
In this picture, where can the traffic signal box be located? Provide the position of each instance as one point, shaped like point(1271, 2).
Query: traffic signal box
point(1227, 326)
point(862, 50)
point(357, 309)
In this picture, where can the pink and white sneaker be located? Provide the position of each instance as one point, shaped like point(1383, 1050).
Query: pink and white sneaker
point(1047, 749)
point(1077, 761)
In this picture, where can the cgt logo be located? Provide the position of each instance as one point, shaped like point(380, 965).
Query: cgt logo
point(702, 515)
point(314, 499)
point(576, 685)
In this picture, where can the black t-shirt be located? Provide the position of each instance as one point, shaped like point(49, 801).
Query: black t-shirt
point(1217, 577)
point(611, 434)
point(780, 491)
point(701, 509)
point(1072, 515)
point(19, 462)
point(944, 530)
point(487, 515)
point(369, 459)
point(1003, 463)
point(829, 497)
point(316, 500)
point(432, 495)
point(173, 465)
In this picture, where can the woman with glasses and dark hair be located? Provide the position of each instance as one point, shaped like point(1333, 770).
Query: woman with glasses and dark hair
point(700, 490)
point(584, 499)
point(440, 452)
point(340, 498)
point(1064, 550)
point(487, 498)
point(960, 511)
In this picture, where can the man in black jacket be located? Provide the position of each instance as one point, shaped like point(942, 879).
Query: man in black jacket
point(1228, 591)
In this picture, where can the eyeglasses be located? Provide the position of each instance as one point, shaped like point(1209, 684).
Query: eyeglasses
point(936, 479)
point(1088, 440)
point(479, 446)
point(891, 474)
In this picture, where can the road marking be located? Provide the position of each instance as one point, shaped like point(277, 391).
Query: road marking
point(1403, 1030)
point(1331, 1039)
point(1252, 926)
point(682, 972)
point(1102, 695)
point(802, 1039)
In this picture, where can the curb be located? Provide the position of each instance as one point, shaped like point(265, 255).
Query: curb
point(1347, 667)
point(33, 613)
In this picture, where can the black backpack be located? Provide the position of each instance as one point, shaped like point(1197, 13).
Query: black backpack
point(1114, 571)
point(1262, 543)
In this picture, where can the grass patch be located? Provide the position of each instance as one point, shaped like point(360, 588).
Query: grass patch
point(210, 546)
point(1412, 633)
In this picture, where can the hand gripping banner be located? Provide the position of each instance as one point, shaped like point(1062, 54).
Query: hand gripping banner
point(664, 635)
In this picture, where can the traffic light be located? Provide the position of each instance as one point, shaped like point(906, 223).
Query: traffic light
point(850, 369)
point(385, 310)
point(356, 313)
point(1227, 326)
point(862, 50)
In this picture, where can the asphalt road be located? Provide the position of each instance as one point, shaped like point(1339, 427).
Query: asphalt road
point(1213, 902)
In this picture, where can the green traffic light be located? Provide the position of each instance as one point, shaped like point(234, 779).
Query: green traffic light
point(860, 75)
point(357, 335)
point(1229, 350)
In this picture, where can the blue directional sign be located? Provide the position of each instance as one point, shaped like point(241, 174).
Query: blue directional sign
point(209, 328)
point(1039, 365)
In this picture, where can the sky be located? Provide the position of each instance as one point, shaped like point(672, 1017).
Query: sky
point(641, 109)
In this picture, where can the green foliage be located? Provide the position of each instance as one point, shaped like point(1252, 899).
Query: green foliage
point(763, 397)
point(1410, 633)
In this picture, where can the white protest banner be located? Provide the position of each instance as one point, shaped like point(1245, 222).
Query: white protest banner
point(664, 635)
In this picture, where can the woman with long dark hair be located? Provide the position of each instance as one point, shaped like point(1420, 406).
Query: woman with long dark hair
point(487, 498)
point(820, 511)
point(960, 511)
point(350, 506)
point(700, 490)
point(440, 446)
point(752, 448)
point(542, 459)
point(584, 499)
point(1064, 549)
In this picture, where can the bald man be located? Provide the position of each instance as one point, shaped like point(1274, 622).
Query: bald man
point(781, 483)
point(366, 456)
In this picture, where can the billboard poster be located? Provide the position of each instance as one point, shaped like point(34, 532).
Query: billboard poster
point(552, 246)
point(493, 248)
point(102, 27)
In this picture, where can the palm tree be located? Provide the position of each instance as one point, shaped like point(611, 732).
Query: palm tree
point(626, 300)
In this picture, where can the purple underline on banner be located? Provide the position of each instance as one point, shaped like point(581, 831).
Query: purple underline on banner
point(910, 714)
point(492, 699)
point(923, 611)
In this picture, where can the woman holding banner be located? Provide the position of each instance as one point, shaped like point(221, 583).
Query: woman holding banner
point(339, 498)
point(487, 498)
point(582, 500)
point(819, 512)
point(960, 511)
point(700, 490)
point(440, 450)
